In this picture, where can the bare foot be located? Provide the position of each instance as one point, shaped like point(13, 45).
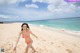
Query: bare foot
point(14, 49)
point(34, 51)
point(68, 50)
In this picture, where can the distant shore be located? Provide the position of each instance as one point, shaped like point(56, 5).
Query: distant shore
point(1, 22)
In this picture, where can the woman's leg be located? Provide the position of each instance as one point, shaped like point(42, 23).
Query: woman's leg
point(27, 48)
point(32, 47)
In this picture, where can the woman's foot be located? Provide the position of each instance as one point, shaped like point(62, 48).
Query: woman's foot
point(14, 49)
point(26, 50)
point(34, 51)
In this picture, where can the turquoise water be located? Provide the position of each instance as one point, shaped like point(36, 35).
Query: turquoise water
point(67, 23)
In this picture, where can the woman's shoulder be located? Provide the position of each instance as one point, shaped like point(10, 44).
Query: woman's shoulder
point(29, 30)
point(20, 32)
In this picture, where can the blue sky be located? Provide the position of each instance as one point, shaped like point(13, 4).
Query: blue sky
point(38, 9)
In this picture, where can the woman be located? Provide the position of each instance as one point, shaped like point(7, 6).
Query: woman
point(25, 32)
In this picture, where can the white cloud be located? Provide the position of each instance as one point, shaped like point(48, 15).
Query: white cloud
point(63, 7)
point(23, 0)
point(8, 16)
point(37, 0)
point(28, 14)
point(5, 2)
point(47, 1)
point(55, 8)
point(4, 16)
point(58, 5)
point(1, 1)
point(31, 6)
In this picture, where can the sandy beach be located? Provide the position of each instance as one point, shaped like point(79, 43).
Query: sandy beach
point(49, 40)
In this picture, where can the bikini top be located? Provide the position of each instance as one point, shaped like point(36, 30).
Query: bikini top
point(27, 36)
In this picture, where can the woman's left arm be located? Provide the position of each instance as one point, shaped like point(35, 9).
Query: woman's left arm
point(33, 34)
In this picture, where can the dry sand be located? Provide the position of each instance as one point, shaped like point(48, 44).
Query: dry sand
point(49, 40)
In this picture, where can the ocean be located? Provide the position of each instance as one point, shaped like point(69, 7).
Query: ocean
point(63, 23)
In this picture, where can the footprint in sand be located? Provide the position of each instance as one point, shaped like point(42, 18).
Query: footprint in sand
point(68, 50)
point(38, 50)
point(45, 49)
point(62, 43)
point(59, 46)
point(52, 43)
point(75, 45)
point(7, 47)
point(43, 40)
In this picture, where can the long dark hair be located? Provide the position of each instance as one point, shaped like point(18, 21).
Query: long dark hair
point(27, 26)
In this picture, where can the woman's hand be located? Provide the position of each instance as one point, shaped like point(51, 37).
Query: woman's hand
point(14, 48)
point(36, 37)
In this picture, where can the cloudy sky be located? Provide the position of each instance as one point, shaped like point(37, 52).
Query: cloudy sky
point(38, 9)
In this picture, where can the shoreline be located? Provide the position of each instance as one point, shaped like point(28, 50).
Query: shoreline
point(65, 30)
point(55, 28)
point(72, 32)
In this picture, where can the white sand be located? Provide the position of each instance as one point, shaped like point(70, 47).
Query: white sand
point(50, 40)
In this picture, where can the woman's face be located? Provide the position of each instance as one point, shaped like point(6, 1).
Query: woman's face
point(24, 27)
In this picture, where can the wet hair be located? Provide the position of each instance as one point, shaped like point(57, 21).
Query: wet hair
point(27, 26)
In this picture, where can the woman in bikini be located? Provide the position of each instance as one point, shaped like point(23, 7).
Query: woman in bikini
point(25, 32)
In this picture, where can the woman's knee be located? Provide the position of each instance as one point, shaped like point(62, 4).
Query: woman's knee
point(28, 46)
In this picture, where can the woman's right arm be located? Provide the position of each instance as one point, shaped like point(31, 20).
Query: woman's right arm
point(17, 41)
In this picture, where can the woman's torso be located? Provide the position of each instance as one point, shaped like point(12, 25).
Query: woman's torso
point(26, 35)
